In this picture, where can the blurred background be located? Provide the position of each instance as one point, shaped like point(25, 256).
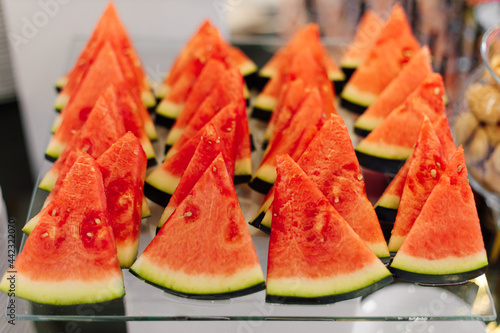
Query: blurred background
point(40, 40)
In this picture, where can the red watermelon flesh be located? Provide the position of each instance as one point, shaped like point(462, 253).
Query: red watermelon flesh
point(395, 45)
point(330, 162)
point(229, 90)
point(426, 168)
point(70, 257)
point(208, 221)
point(109, 29)
point(208, 79)
point(123, 168)
point(314, 256)
point(410, 77)
point(387, 205)
point(445, 244)
point(365, 37)
point(90, 138)
point(221, 88)
point(307, 37)
point(298, 133)
point(162, 182)
point(207, 150)
point(391, 143)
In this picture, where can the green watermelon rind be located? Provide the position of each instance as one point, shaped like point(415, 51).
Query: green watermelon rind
point(62, 100)
point(54, 150)
point(48, 181)
point(364, 125)
point(385, 159)
point(61, 83)
point(372, 278)
point(263, 107)
point(261, 212)
point(66, 292)
point(167, 109)
point(260, 185)
point(387, 207)
point(265, 224)
point(148, 99)
point(386, 214)
point(242, 171)
point(439, 271)
point(199, 287)
point(354, 100)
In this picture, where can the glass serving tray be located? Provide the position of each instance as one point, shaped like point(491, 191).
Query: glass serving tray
point(399, 301)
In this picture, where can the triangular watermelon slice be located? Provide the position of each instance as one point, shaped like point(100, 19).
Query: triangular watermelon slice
point(91, 138)
point(302, 65)
point(162, 182)
point(302, 128)
point(307, 37)
point(209, 224)
point(387, 147)
point(209, 77)
point(227, 90)
point(445, 244)
point(108, 29)
point(330, 162)
point(410, 77)
point(123, 168)
point(314, 256)
point(207, 150)
point(201, 42)
point(426, 168)
point(388, 203)
point(70, 257)
point(365, 37)
point(395, 45)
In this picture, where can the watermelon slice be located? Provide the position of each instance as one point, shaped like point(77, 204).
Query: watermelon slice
point(123, 168)
point(202, 42)
point(426, 168)
point(445, 244)
point(314, 256)
point(207, 150)
point(70, 257)
point(365, 37)
point(395, 45)
point(302, 128)
point(410, 77)
point(387, 205)
point(104, 72)
point(228, 89)
point(307, 37)
point(91, 139)
point(331, 164)
point(208, 79)
point(207, 222)
point(387, 147)
point(302, 65)
point(162, 182)
point(108, 29)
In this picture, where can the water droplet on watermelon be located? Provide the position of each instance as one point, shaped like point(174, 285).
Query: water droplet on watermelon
point(84, 113)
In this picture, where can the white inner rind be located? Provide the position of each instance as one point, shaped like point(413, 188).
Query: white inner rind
point(165, 215)
point(163, 91)
point(336, 75)
point(198, 283)
point(243, 166)
point(163, 181)
point(174, 135)
point(57, 123)
point(368, 123)
point(449, 265)
point(150, 129)
point(65, 292)
point(31, 224)
point(61, 82)
point(339, 284)
point(390, 201)
point(247, 68)
point(127, 253)
point(352, 63)
point(48, 181)
point(355, 96)
point(379, 249)
point(265, 102)
point(267, 72)
point(146, 212)
point(148, 99)
point(384, 150)
point(266, 173)
point(169, 109)
point(61, 101)
point(55, 148)
point(148, 149)
point(268, 219)
point(395, 242)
